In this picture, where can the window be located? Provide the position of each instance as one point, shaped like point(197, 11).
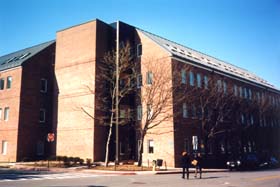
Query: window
point(122, 113)
point(139, 112)
point(4, 147)
point(242, 119)
point(139, 81)
point(149, 78)
point(183, 77)
point(44, 85)
point(191, 78)
point(42, 117)
point(193, 111)
point(122, 148)
point(139, 50)
point(150, 111)
point(9, 82)
point(250, 93)
point(2, 83)
point(245, 93)
point(258, 96)
point(150, 146)
point(198, 79)
point(235, 90)
point(240, 91)
point(199, 112)
point(225, 87)
point(219, 85)
point(205, 82)
point(6, 113)
point(251, 119)
point(40, 148)
point(122, 83)
point(0, 113)
point(185, 110)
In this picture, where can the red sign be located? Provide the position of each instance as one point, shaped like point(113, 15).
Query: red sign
point(50, 137)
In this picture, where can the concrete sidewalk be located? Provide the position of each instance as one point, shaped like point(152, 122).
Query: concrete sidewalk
point(22, 168)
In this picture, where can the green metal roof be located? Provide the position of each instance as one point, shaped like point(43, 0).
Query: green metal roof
point(17, 58)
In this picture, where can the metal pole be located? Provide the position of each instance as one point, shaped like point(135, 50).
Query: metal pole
point(117, 95)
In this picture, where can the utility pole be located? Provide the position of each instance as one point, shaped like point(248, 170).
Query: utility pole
point(117, 94)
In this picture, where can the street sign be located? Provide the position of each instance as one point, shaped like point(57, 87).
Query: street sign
point(50, 137)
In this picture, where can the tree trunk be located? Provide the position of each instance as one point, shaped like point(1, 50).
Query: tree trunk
point(140, 149)
point(108, 140)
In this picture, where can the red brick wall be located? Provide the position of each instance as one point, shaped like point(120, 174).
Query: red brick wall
point(10, 98)
point(32, 99)
point(155, 59)
point(76, 61)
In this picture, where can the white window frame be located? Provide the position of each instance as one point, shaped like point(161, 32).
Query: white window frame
point(4, 149)
point(45, 85)
point(44, 115)
point(6, 113)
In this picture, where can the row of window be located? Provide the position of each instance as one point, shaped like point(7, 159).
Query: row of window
point(6, 112)
point(5, 117)
point(195, 111)
point(43, 82)
point(39, 147)
point(8, 83)
point(192, 80)
point(149, 79)
point(149, 112)
point(243, 92)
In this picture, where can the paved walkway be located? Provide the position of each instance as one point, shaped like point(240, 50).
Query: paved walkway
point(22, 168)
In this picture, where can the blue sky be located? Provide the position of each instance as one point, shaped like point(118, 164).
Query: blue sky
point(243, 32)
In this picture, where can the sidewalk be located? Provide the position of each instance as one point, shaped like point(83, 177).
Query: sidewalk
point(20, 168)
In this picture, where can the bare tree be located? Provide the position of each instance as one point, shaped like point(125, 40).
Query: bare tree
point(106, 85)
point(156, 98)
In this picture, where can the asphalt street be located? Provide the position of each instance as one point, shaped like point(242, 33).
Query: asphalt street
point(268, 178)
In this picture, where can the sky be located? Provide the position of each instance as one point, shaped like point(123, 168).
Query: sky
point(245, 33)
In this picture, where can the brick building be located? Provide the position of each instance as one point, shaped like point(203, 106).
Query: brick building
point(26, 97)
point(252, 122)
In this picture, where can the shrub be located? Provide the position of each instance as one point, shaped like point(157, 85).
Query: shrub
point(88, 162)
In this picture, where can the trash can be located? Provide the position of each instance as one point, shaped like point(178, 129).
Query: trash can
point(159, 162)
